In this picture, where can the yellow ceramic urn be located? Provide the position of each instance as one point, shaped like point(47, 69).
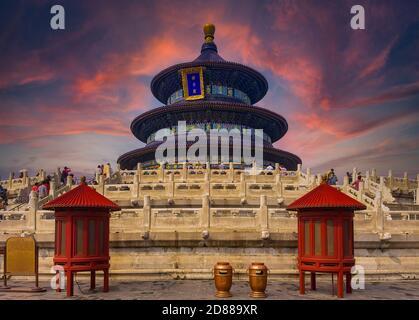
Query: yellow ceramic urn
point(223, 276)
point(258, 279)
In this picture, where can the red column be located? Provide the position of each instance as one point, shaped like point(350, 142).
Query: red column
point(340, 284)
point(92, 280)
point(106, 280)
point(313, 281)
point(70, 290)
point(348, 283)
point(302, 282)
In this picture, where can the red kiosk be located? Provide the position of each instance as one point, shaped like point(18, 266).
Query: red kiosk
point(82, 233)
point(326, 234)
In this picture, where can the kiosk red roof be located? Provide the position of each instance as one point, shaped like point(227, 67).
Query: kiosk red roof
point(82, 196)
point(325, 196)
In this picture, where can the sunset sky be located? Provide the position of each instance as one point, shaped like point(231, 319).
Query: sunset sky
point(351, 98)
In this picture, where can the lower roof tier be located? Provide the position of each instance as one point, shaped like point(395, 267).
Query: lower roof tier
point(273, 124)
point(271, 155)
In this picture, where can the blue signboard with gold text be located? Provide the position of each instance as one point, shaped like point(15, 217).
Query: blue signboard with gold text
point(193, 83)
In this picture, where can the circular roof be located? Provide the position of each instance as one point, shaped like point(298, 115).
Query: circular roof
point(130, 159)
point(201, 111)
point(216, 70)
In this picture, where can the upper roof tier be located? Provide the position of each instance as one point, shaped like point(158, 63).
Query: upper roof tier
point(82, 197)
point(323, 197)
point(217, 71)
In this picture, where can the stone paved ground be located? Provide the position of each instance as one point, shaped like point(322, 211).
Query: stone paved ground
point(204, 289)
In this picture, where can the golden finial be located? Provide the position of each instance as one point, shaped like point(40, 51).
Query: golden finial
point(209, 30)
point(82, 180)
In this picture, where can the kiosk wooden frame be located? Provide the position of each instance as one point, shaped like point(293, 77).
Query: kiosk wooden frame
point(326, 235)
point(82, 234)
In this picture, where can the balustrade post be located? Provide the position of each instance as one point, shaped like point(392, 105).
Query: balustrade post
point(263, 217)
point(184, 171)
point(379, 219)
point(299, 167)
point(308, 178)
point(345, 183)
point(417, 195)
point(382, 184)
point(205, 212)
point(42, 175)
point(101, 185)
point(57, 176)
point(207, 188)
point(367, 180)
point(52, 189)
point(360, 190)
point(405, 181)
point(161, 172)
point(254, 172)
point(171, 186)
point(417, 180)
point(354, 174)
point(278, 182)
point(136, 187)
point(319, 179)
point(147, 214)
point(242, 186)
point(10, 182)
point(390, 179)
point(69, 181)
point(374, 174)
point(25, 180)
point(139, 171)
point(33, 208)
point(231, 172)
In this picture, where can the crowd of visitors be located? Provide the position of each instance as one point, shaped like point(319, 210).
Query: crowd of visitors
point(332, 179)
point(104, 169)
point(41, 189)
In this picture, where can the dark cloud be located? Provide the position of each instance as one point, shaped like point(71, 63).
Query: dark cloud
point(333, 84)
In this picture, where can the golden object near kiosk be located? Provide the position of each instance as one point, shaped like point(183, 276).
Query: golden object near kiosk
point(21, 259)
point(258, 279)
point(223, 278)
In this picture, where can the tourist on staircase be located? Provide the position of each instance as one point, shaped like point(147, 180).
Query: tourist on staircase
point(3, 197)
point(65, 174)
point(35, 187)
point(356, 183)
point(332, 179)
point(107, 170)
point(349, 177)
point(42, 190)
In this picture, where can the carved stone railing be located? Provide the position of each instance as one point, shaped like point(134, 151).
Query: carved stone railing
point(261, 219)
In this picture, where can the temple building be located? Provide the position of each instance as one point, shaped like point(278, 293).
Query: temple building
point(177, 220)
point(209, 93)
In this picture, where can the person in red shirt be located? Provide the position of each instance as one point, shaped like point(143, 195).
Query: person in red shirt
point(35, 187)
point(357, 182)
